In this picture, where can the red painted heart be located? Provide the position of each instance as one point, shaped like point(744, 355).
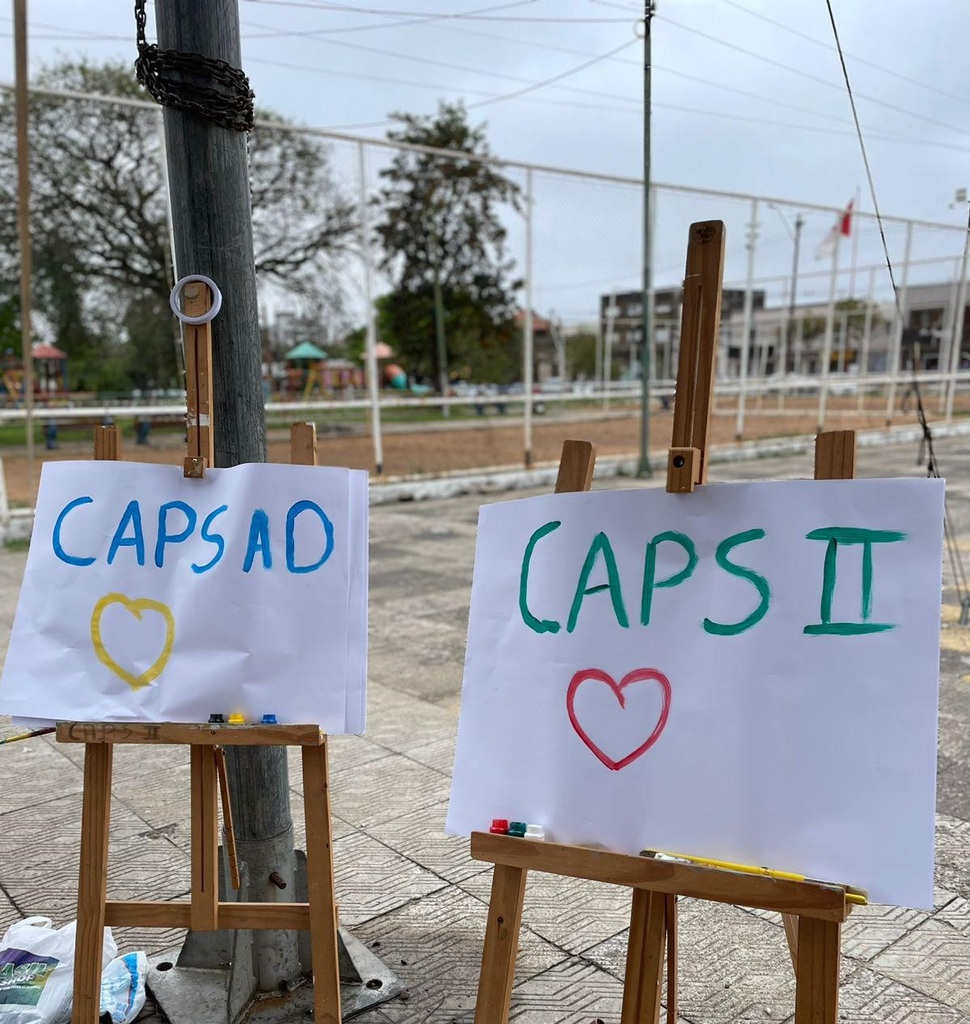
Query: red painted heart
point(636, 676)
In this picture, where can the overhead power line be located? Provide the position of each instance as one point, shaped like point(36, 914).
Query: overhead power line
point(407, 22)
point(448, 65)
point(559, 77)
point(491, 73)
point(433, 16)
point(490, 98)
point(858, 60)
point(805, 74)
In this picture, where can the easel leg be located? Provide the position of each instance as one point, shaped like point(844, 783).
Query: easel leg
point(323, 906)
point(205, 839)
point(817, 971)
point(501, 945)
point(644, 958)
point(790, 923)
point(92, 883)
point(673, 937)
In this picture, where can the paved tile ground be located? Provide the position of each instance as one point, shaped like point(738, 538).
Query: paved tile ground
point(412, 892)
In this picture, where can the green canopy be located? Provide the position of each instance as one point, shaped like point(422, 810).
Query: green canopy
point(306, 350)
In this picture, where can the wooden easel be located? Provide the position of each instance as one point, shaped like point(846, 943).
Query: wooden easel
point(812, 912)
point(204, 911)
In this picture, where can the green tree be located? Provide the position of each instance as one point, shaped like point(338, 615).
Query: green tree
point(581, 355)
point(98, 218)
point(445, 249)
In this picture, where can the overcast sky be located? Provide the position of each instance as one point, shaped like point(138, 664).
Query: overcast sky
point(748, 96)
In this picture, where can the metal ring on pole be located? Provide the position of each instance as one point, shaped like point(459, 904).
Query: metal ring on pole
point(212, 311)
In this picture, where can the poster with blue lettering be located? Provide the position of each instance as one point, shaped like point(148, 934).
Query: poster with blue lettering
point(748, 673)
point(151, 597)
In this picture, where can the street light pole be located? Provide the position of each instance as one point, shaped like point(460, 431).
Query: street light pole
point(21, 103)
point(646, 341)
point(799, 224)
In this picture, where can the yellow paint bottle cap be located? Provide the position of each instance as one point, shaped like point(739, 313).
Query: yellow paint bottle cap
point(237, 719)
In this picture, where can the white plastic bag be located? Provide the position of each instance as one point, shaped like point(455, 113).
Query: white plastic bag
point(37, 971)
point(123, 988)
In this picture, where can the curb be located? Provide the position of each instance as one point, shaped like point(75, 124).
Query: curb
point(504, 479)
point(501, 479)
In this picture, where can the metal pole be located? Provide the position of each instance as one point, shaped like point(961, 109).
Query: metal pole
point(23, 229)
point(646, 332)
point(598, 353)
point(823, 392)
point(959, 317)
point(866, 339)
point(163, 164)
point(371, 334)
point(441, 345)
point(527, 344)
point(177, 339)
point(947, 327)
point(209, 176)
point(787, 364)
point(854, 228)
point(608, 350)
point(748, 313)
point(897, 345)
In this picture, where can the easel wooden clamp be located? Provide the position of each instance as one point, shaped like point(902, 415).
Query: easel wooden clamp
point(812, 912)
point(203, 301)
point(204, 911)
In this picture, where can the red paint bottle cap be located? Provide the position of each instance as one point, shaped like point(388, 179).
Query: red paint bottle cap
point(500, 826)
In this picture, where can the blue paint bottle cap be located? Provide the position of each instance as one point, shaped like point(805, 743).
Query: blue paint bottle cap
point(269, 719)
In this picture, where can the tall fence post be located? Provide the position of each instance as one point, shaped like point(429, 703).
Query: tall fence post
point(370, 342)
point(898, 334)
point(23, 231)
point(527, 341)
point(748, 317)
point(823, 389)
point(611, 312)
point(947, 330)
point(866, 339)
point(959, 316)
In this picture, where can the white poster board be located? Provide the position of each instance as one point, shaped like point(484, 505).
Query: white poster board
point(747, 673)
point(151, 597)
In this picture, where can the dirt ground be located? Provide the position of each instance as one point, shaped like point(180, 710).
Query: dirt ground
point(488, 441)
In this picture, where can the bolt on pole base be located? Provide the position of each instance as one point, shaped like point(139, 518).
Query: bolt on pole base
point(211, 977)
point(206, 995)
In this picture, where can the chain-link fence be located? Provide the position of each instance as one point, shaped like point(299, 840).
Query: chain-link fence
point(830, 324)
point(811, 320)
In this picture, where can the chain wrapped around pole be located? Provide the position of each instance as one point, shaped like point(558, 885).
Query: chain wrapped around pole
point(189, 81)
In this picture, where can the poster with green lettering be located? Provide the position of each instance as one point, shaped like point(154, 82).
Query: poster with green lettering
point(748, 673)
point(149, 597)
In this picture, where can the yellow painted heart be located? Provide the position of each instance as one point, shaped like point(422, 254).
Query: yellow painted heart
point(136, 607)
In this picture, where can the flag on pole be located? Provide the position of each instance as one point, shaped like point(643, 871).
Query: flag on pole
point(841, 228)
